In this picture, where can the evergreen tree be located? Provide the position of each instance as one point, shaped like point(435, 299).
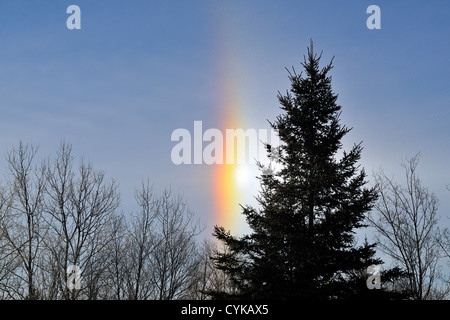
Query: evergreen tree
point(303, 239)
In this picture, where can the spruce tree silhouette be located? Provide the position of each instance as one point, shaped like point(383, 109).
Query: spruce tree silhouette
point(302, 244)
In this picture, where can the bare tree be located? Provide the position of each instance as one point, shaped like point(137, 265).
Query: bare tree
point(78, 208)
point(209, 278)
point(141, 245)
point(176, 257)
point(116, 255)
point(406, 222)
point(204, 273)
point(22, 234)
point(8, 259)
point(444, 242)
point(61, 214)
point(155, 256)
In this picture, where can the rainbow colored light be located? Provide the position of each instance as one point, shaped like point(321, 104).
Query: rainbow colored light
point(227, 197)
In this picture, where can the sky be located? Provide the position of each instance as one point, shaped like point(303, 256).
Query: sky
point(138, 70)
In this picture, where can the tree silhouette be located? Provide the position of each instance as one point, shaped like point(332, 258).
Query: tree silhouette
point(303, 243)
point(57, 219)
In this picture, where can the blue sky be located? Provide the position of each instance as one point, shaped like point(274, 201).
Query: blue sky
point(137, 70)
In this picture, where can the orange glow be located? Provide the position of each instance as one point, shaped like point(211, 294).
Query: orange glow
point(226, 197)
point(226, 194)
point(227, 200)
